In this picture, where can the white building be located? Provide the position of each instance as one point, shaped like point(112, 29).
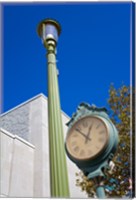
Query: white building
point(24, 164)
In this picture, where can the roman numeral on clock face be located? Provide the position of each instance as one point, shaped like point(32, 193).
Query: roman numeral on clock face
point(101, 132)
point(89, 152)
point(82, 152)
point(85, 124)
point(73, 143)
point(98, 126)
point(76, 149)
point(101, 139)
point(75, 135)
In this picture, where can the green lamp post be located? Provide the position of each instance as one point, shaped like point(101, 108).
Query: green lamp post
point(49, 30)
point(91, 142)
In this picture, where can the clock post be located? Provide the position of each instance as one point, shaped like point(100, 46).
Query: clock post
point(49, 30)
point(91, 142)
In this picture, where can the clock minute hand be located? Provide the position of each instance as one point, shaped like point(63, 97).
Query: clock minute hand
point(88, 133)
point(83, 134)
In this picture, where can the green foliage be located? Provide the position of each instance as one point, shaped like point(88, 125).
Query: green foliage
point(117, 181)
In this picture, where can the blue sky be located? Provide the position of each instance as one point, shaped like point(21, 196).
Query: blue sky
point(93, 51)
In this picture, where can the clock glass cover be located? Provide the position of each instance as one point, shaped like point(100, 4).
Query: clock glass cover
point(87, 138)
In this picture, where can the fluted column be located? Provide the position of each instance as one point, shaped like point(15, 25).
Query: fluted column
point(58, 167)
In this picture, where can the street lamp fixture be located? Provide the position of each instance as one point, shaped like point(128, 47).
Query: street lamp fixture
point(49, 31)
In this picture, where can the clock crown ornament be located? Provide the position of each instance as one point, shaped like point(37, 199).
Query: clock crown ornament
point(86, 109)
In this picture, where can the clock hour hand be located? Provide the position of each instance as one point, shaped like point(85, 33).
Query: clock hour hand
point(83, 134)
point(88, 133)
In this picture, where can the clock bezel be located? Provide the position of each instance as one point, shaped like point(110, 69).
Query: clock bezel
point(104, 121)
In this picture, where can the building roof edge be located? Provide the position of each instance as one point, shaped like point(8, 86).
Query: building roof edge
point(28, 101)
point(23, 103)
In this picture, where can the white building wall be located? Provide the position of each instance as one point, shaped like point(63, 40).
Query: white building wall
point(30, 122)
point(16, 166)
point(38, 136)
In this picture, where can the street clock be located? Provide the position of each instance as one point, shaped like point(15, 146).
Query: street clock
point(91, 139)
point(87, 138)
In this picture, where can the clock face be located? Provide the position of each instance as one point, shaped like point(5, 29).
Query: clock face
point(87, 138)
